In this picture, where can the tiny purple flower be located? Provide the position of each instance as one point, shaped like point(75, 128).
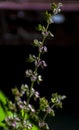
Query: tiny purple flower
point(28, 73)
point(43, 49)
point(33, 78)
point(45, 33)
point(44, 64)
point(14, 124)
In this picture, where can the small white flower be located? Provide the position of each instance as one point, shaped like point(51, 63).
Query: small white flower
point(31, 108)
point(40, 78)
point(37, 94)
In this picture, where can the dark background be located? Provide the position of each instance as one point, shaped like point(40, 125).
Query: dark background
point(62, 72)
point(60, 76)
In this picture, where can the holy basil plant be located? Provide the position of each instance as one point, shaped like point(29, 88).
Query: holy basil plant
point(22, 114)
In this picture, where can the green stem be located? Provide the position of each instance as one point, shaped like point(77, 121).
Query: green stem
point(46, 114)
point(32, 84)
point(36, 68)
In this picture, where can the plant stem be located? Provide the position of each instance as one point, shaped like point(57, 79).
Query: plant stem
point(36, 68)
point(46, 114)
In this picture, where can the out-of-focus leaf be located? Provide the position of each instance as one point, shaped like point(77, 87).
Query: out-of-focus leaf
point(2, 114)
point(35, 127)
point(2, 124)
point(3, 98)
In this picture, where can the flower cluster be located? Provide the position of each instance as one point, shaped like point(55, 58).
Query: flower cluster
point(16, 123)
point(22, 114)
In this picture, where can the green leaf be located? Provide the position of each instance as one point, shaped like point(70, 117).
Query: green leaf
point(43, 103)
point(3, 98)
point(9, 113)
point(47, 15)
point(53, 6)
point(25, 115)
point(31, 58)
point(41, 28)
point(2, 124)
point(2, 114)
point(57, 99)
point(36, 42)
point(35, 127)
